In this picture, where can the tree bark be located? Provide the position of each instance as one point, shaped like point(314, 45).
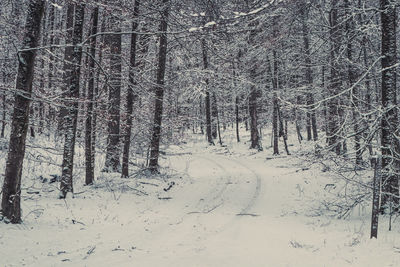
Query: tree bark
point(237, 118)
point(352, 76)
point(335, 83)
point(311, 118)
point(131, 96)
point(112, 163)
point(389, 123)
point(275, 113)
point(11, 198)
point(375, 198)
point(89, 155)
point(207, 98)
point(70, 120)
point(67, 65)
point(159, 92)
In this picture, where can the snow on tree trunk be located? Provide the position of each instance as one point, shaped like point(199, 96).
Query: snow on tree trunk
point(311, 118)
point(335, 82)
point(207, 98)
point(159, 90)
point(131, 96)
point(67, 65)
point(112, 163)
point(390, 146)
point(11, 198)
point(89, 155)
point(70, 120)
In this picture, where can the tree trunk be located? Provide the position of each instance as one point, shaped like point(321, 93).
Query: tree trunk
point(335, 83)
point(70, 120)
point(3, 119)
point(11, 198)
point(214, 114)
point(352, 76)
point(275, 113)
point(217, 118)
point(389, 122)
point(89, 155)
point(67, 65)
point(207, 100)
point(112, 163)
point(159, 92)
point(237, 118)
point(311, 118)
point(375, 198)
point(255, 139)
point(131, 96)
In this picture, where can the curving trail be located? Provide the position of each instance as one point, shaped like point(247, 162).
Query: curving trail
point(227, 211)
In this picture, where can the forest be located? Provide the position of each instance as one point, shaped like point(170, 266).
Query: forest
point(199, 133)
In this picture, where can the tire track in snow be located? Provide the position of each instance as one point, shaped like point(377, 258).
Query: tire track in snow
point(219, 193)
point(257, 190)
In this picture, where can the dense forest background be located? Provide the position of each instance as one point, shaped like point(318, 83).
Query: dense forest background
point(116, 80)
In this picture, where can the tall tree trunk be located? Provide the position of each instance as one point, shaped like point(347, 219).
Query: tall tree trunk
point(311, 118)
point(352, 76)
point(131, 96)
point(255, 139)
point(214, 114)
point(207, 98)
point(389, 123)
point(159, 92)
point(201, 115)
point(96, 90)
point(367, 105)
point(334, 86)
point(89, 155)
point(275, 113)
point(11, 198)
point(112, 163)
point(237, 118)
point(70, 120)
point(51, 61)
point(217, 118)
point(67, 65)
point(4, 98)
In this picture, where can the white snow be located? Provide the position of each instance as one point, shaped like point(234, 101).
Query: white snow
point(212, 206)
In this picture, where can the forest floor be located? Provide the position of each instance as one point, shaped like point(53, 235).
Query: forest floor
point(212, 206)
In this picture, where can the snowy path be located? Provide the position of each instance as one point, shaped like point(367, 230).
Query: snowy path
point(229, 211)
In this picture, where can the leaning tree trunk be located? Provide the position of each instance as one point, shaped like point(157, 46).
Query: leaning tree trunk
point(159, 92)
point(130, 98)
point(389, 123)
point(89, 155)
point(70, 120)
point(11, 198)
point(112, 163)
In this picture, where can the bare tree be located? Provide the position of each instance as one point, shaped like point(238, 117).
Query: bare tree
point(70, 120)
point(11, 198)
point(89, 153)
point(159, 92)
point(131, 96)
point(390, 145)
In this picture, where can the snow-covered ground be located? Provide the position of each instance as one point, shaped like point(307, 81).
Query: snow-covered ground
point(212, 206)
